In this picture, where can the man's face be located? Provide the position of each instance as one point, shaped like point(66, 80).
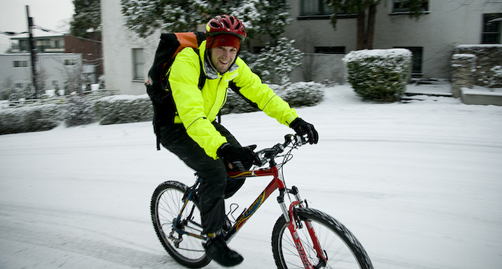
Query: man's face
point(223, 57)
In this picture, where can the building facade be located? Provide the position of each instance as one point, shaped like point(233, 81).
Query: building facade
point(127, 56)
point(90, 49)
point(53, 69)
point(44, 44)
point(431, 38)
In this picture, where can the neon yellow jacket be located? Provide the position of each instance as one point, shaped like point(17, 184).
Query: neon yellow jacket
point(196, 109)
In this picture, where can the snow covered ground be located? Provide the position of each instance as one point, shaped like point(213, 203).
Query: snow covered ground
point(419, 184)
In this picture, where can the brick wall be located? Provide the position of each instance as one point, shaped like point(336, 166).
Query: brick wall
point(488, 57)
point(91, 49)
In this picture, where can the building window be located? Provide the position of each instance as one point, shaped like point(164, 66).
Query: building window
point(138, 64)
point(70, 62)
point(403, 6)
point(330, 50)
point(416, 58)
point(314, 7)
point(491, 28)
point(20, 63)
point(318, 9)
point(42, 42)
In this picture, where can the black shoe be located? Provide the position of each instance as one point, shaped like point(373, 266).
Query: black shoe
point(217, 249)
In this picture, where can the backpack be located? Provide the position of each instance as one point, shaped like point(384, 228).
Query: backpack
point(170, 44)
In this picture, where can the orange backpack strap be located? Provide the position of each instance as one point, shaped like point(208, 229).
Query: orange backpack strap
point(186, 40)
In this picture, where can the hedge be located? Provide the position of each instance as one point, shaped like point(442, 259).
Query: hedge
point(379, 75)
point(78, 110)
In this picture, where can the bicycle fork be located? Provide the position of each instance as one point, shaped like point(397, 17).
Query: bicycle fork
point(295, 223)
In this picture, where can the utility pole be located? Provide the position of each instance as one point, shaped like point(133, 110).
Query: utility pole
point(33, 50)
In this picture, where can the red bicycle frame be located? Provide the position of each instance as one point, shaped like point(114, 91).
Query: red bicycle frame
point(278, 183)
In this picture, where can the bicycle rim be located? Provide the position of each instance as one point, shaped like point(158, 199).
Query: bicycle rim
point(342, 249)
point(166, 204)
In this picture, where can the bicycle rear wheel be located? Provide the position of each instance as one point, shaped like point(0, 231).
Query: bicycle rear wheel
point(342, 249)
point(167, 202)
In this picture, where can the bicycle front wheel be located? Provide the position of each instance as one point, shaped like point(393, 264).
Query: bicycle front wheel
point(340, 247)
point(166, 204)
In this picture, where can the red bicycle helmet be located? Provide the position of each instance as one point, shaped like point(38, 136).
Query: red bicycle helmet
point(226, 24)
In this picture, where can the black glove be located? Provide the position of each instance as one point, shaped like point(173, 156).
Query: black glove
point(302, 128)
point(238, 157)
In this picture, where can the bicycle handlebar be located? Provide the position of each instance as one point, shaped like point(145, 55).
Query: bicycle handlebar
point(268, 154)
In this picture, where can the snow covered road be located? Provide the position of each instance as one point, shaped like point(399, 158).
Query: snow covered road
point(419, 184)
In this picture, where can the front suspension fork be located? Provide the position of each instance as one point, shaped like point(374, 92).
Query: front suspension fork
point(295, 223)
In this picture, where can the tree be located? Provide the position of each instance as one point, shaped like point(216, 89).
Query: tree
point(259, 16)
point(146, 16)
point(365, 10)
point(87, 17)
point(268, 17)
point(275, 63)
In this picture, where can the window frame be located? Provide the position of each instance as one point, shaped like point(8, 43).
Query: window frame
point(320, 8)
point(330, 49)
point(138, 64)
point(399, 8)
point(70, 62)
point(491, 29)
point(19, 63)
point(321, 12)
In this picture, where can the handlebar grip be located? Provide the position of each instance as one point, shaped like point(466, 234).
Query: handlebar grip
point(298, 139)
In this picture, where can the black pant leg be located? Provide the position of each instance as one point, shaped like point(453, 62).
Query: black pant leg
point(233, 185)
point(213, 174)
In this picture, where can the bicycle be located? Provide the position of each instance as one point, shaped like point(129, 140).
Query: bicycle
point(302, 237)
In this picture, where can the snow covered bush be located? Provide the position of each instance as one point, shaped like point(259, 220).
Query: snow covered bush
point(84, 109)
point(123, 109)
point(275, 63)
point(79, 111)
point(496, 78)
point(296, 94)
point(30, 118)
point(237, 104)
point(379, 75)
point(302, 94)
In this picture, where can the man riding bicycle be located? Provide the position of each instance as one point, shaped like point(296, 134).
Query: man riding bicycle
point(204, 144)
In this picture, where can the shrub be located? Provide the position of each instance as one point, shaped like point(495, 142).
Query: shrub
point(378, 75)
point(297, 95)
point(236, 104)
point(495, 81)
point(275, 63)
point(30, 118)
point(302, 94)
point(79, 111)
point(123, 109)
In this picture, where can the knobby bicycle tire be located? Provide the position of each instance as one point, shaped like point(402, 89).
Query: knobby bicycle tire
point(165, 205)
point(341, 247)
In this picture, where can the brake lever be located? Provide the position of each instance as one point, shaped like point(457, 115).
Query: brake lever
point(300, 140)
